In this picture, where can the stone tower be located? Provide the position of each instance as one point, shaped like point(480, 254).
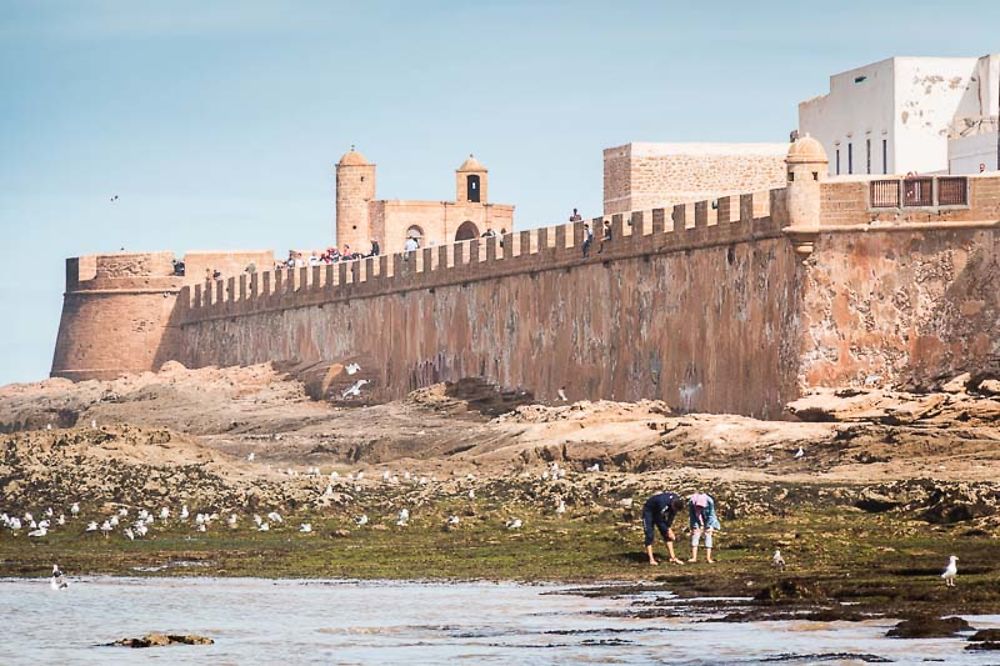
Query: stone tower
point(806, 166)
point(355, 189)
point(471, 182)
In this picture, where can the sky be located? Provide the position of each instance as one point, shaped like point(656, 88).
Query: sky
point(218, 124)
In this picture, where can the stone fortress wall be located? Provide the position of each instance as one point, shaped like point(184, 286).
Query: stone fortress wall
point(650, 175)
point(733, 304)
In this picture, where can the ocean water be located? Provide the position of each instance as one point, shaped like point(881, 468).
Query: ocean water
point(300, 622)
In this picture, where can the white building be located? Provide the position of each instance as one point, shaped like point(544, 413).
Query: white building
point(900, 115)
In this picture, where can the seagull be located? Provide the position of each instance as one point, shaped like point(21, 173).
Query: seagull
point(184, 512)
point(627, 502)
point(75, 509)
point(141, 529)
point(202, 528)
point(232, 520)
point(404, 517)
point(114, 198)
point(40, 532)
point(950, 572)
point(329, 490)
point(274, 517)
point(562, 394)
point(453, 520)
point(801, 452)
point(164, 513)
point(355, 390)
point(472, 493)
point(305, 527)
point(92, 526)
point(49, 512)
point(129, 534)
point(561, 509)
point(596, 467)
point(57, 582)
point(257, 519)
point(264, 527)
point(513, 524)
point(15, 524)
point(61, 519)
point(106, 528)
point(361, 520)
point(352, 368)
point(48, 427)
point(777, 561)
point(113, 521)
point(251, 456)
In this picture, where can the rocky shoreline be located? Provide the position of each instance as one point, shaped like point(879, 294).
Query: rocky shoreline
point(887, 486)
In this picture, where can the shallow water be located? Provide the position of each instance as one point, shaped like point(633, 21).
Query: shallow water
point(264, 621)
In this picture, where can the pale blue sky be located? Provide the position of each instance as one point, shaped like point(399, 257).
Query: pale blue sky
point(218, 124)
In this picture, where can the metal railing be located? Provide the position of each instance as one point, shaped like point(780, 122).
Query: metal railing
point(921, 191)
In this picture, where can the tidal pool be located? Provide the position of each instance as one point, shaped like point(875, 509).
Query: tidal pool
point(293, 622)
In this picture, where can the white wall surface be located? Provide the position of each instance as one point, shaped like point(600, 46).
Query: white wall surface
point(966, 153)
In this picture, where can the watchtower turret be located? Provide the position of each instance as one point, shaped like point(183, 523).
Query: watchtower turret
point(355, 189)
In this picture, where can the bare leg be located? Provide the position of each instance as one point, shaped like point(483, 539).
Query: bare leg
point(695, 538)
point(649, 553)
point(708, 546)
point(670, 550)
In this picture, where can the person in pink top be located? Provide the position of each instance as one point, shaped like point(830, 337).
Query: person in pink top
point(701, 512)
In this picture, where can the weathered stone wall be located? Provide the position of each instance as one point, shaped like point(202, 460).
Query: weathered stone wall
point(900, 307)
point(703, 317)
point(640, 176)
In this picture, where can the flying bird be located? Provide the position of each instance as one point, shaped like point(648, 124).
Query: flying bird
point(950, 572)
point(114, 198)
point(352, 368)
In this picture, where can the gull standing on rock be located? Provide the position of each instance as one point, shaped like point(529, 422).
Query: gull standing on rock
point(950, 572)
point(305, 527)
point(562, 394)
point(361, 520)
point(513, 524)
point(404, 517)
point(352, 368)
point(354, 391)
point(777, 561)
point(801, 452)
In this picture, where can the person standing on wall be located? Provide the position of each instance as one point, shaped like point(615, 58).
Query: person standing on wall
point(575, 217)
point(375, 249)
point(588, 239)
point(659, 512)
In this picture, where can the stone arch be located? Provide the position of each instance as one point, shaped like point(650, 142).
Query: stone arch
point(466, 231)
point(415, 231)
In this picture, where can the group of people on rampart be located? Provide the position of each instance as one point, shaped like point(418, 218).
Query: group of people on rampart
point(331, 255)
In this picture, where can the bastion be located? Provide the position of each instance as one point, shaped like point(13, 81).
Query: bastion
point(738, 303)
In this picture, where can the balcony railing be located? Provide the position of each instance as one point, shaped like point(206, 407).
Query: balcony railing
point(922, 191)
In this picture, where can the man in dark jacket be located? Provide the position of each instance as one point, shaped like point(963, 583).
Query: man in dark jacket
point(659, 512)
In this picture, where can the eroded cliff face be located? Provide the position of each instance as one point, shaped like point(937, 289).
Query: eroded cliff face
point(900, 308)
point(708, 329)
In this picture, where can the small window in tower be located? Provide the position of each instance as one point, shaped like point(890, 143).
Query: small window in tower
point(815, 175)
point(860, 79)
point(472, 188)
point(791, 176)
point(362, 179)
